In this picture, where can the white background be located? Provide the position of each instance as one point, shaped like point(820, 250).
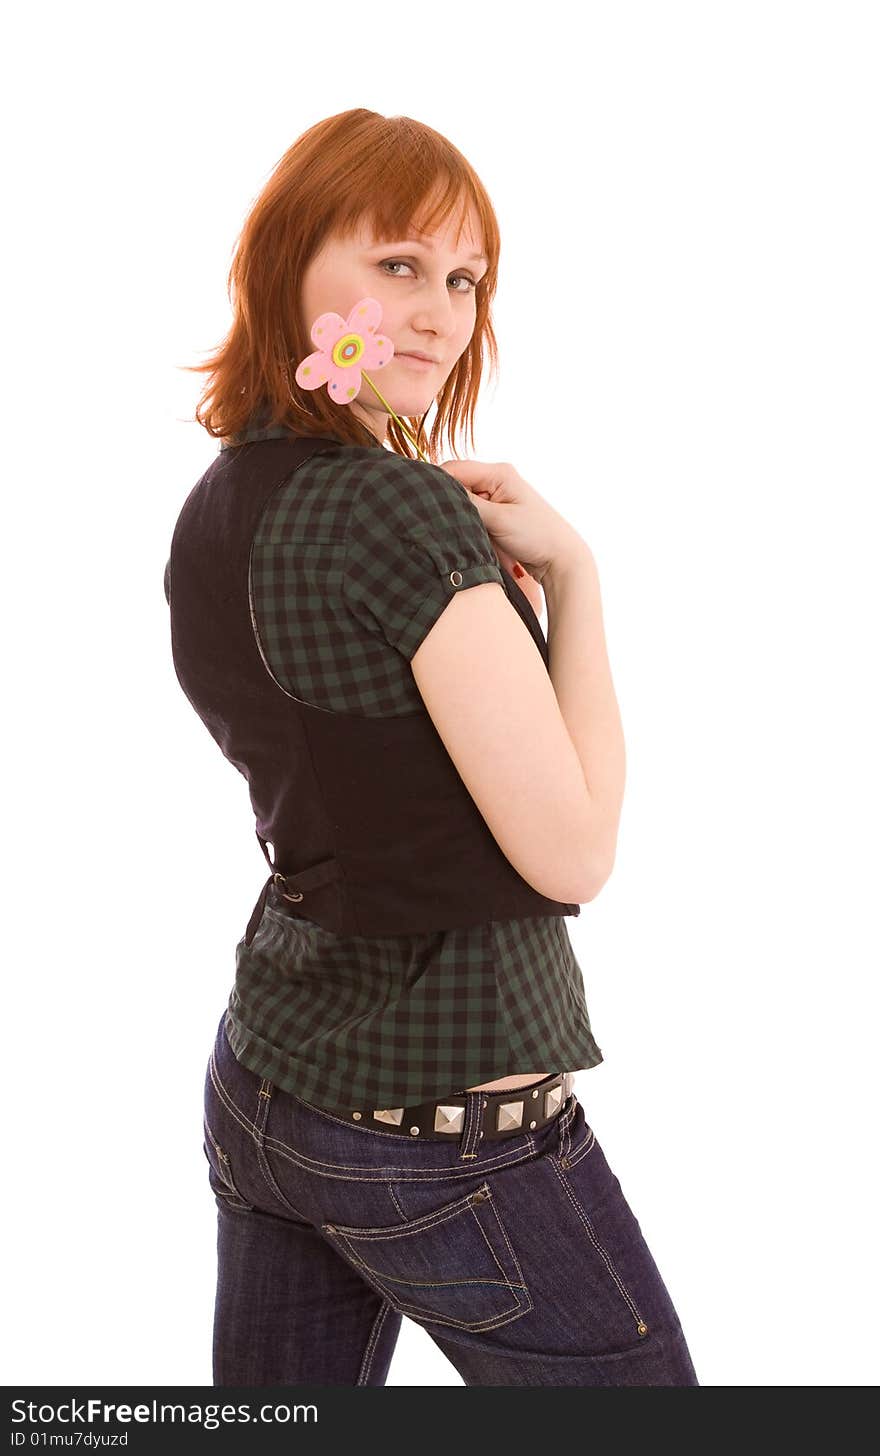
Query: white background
point(693, 186)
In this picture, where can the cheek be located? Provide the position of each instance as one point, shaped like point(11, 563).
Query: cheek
point(467, 328)
point(462, 343)
point(389, 324)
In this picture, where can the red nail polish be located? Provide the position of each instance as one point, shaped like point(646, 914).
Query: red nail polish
point(517, 569)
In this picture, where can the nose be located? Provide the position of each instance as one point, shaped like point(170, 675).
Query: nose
point(435, 314)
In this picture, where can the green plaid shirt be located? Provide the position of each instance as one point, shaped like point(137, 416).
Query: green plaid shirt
point(348, 575)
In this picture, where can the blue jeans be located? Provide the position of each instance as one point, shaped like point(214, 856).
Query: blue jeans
point(524, 1263)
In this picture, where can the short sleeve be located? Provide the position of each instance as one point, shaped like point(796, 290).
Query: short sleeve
point(414, 538)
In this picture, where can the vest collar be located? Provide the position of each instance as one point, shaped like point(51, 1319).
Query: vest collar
point(259, 430)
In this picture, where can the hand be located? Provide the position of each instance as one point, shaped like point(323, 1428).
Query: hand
point(524, 580)
point(517, 519)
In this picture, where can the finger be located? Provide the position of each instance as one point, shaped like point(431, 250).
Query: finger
point(466, 470)
point(452, 467)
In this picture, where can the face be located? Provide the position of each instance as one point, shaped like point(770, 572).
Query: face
point(425, 284)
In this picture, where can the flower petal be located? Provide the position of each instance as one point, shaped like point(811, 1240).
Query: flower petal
point(343, 384)
point(314, 370)
point(378, 351)
point(365, 317)
point(327, 329)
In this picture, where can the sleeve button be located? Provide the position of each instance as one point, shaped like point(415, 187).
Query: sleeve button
point(455, 577)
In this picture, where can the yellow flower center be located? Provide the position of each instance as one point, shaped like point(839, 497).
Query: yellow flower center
point(347, 350)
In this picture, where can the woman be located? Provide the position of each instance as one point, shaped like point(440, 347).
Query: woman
point(390, 1122)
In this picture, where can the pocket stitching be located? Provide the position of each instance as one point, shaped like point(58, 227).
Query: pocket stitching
point(381, 1280)
point(601, 1251)
point(585, 1146)
point(414, 1225)
point(224, 1171)
point(384, 1172)
point(231, 1106)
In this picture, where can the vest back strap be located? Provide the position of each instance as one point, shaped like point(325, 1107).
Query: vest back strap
point(305, 880)
point(293, 887)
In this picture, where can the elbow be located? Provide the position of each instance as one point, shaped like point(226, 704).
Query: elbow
point(600, 874)
point(599, 858)
point(598, 846)
point(571, 891)
point(580, 868)
point(591, 890)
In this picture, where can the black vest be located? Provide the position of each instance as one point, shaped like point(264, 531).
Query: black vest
point(374, 832)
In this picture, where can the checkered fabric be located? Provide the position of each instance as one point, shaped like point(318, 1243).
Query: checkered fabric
point(348, 574)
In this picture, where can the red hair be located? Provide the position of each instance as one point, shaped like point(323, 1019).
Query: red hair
point(355, 167)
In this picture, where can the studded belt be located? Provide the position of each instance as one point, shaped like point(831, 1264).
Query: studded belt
point(502, 1113)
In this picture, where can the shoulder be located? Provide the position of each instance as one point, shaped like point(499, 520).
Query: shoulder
point(356, 492)
point(412, 497)
point(316, 497)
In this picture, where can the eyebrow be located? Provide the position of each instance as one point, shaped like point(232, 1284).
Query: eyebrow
point(416, 242)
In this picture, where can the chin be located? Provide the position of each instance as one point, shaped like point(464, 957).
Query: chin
point(410, 405)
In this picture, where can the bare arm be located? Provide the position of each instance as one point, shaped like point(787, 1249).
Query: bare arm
point(581, 677)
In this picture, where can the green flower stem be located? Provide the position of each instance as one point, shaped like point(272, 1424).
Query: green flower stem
point(422, 455)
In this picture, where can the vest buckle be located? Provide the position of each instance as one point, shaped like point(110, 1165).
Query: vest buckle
point(279, 880)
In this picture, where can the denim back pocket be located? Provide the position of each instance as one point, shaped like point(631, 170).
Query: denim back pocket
point(220, 1174)
point(453, 1266)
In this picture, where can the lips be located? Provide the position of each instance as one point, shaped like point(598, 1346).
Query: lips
point(413, 354)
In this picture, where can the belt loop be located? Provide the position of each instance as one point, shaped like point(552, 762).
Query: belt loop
point(263, 1098)
point(473, 1117)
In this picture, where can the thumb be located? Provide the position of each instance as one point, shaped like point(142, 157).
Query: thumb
point(455, 467)
point(460, 470)
point(467, 471)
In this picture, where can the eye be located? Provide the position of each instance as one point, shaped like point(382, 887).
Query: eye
point(460, 277)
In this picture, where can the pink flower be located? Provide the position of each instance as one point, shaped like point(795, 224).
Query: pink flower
point(345, 347)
